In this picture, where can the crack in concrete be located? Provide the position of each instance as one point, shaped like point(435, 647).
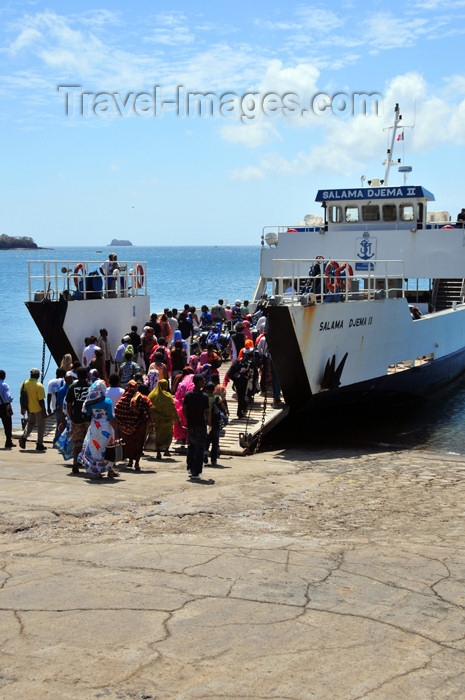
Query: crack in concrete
point(204, 563)
point(447, 601)
point(8, 576)
point(390, 584)
point(396, 677)
point(404, 630)
point(18, 619)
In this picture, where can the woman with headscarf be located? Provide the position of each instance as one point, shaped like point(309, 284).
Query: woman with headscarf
point(151, 379)
point(157, 362)
point(246, 331)
point(101, 432)
point(247, 346)
point(148, 341)
point(132, 414)
point(186, 384)
point(98, 363)
point(178, 359)
point(164, 415)
point(177, 336)
point(206, 372)
point(165, 327)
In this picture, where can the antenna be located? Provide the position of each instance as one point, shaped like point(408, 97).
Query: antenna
point(389, 161)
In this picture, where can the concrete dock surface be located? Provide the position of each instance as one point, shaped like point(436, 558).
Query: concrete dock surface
point(336, 573)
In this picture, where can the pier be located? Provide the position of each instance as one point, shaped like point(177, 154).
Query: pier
point(262, 417)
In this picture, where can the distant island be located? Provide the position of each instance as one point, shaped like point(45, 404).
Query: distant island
point(9, 242)
point(115, 241)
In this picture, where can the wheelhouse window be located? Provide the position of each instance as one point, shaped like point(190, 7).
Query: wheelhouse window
point(370, 212)
point(335, 214)
point(351, 214)
point(389, 212)
point(406, 212)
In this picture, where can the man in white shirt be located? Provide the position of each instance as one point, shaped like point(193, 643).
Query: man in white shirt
point(172, 321)
point(218, 312)
point(53, 387)
point(120, 350)
point(89, 352)
point(114, 391)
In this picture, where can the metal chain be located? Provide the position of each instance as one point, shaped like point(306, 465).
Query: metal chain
point(260, 432)
point(43, 361)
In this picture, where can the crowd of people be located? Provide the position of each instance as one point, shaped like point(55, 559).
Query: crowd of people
point(152, 389)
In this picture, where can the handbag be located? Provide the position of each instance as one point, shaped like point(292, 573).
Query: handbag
point(8, 408)
point(64, 444)
point(224, 420)
point(115, 451)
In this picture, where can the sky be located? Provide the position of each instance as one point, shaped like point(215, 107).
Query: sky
point(109, 158)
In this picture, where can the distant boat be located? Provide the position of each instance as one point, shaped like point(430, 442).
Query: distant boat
point(98, 251)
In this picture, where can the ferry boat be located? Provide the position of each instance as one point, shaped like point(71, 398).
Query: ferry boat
point(69, 300)
point(365, 302)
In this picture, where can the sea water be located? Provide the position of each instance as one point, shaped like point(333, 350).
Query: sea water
point(202, 275)
point(175, 276)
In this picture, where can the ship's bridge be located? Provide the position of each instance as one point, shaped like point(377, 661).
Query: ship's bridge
point(367, 224)
point(386, 207)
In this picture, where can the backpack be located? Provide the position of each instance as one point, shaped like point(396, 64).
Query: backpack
point(219, 417)
point(23, 399)
point(241, 371)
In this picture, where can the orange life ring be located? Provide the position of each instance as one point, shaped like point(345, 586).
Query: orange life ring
point(344, 283)
point(332, 272)
point(448, 226)
point(291, 230)
point(139, 276)
point(79, 268)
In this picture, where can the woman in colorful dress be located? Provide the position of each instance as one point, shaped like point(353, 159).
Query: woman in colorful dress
point(151, 379)
point(164, 415)
point(185, 385)
point(101, 432)
point(133, 412)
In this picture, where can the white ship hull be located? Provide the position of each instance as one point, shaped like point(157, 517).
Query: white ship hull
point(369, 298)
point(64, 318)
point(376, 345)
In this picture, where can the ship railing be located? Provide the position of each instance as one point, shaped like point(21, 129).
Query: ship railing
point(317, 281)
point(83, 280)
point(271, 234)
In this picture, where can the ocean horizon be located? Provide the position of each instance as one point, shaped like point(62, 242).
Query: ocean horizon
point(176, 275)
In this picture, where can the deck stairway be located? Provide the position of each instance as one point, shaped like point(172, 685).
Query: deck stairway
point(446, 291)
point(262, 417)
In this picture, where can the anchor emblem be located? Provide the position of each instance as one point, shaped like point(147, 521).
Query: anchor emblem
point(365, 249)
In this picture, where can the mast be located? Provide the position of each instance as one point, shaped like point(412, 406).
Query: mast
point(389, 162)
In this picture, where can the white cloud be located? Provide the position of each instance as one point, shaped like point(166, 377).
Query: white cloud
point(385, 31)
point(252, 135)
point(171, 29)
point(319, 21)
point(300, 79)
point(346, 146)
